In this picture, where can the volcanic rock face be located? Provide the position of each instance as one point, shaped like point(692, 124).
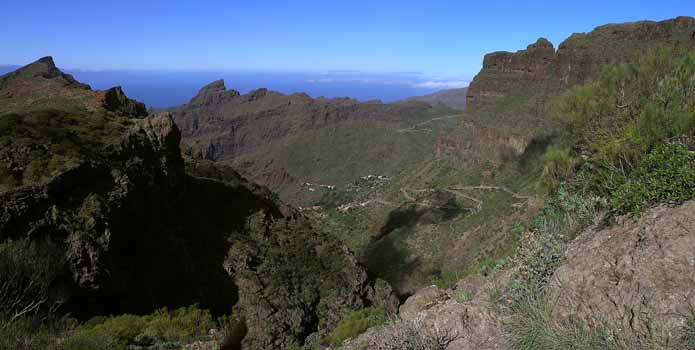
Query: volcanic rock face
point(540, 70)
point(136, 227)
point(116, 101)
point(505, 71)
point(221, 124)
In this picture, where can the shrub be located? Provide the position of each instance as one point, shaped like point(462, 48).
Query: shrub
point(445, 279)
point(27, 271)
point(533, 327)
point(355, 323)
point(542, 248)
point(463, 296)
point(557, 166)
point(26, 333)
point(620, 125)
point(162, 328)
point(632, 108)
point(666, 174)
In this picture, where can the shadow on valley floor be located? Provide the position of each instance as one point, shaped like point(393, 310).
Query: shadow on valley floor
point(388, 257)
point(390, 260)
point(439, 207)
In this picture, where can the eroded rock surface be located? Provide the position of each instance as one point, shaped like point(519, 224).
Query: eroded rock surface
point(637, 277)
point(456, 319)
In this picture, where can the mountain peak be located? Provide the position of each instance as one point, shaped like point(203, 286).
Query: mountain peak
point(542, 43)
point(115, 100)
point(45, 69)
point(215, 86)
point(47, 60)
point(213, 93)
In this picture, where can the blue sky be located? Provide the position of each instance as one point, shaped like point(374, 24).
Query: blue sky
point(447, 38)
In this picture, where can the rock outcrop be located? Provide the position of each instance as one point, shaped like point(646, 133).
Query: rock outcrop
point(116, 101)
point(541, 71)
point(635, 278)
point(455, 319)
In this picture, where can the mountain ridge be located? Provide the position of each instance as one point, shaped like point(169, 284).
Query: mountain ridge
point(541, 71)
point(454, 98)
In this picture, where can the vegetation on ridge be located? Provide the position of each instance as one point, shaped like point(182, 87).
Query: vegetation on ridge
point(35, 146)
point(619, 126)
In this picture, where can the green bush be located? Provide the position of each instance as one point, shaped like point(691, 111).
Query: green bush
point(665, 175)
point(619, 125)
point(632, 108)
point(355, 323)
point(557, 166)
point(162, 328)
point(488, 267)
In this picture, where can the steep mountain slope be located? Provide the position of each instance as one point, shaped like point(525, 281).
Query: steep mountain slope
point(100, 214)
point(286, 140)
point(454, 98)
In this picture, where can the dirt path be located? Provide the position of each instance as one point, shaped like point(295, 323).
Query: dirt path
point(414, 128)
point(459, 192)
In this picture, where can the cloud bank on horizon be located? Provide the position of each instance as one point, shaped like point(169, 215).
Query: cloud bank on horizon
point(414, 80)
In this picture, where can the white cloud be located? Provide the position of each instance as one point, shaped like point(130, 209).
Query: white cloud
point(321, 80)
point(442, 84)
point(420, 81)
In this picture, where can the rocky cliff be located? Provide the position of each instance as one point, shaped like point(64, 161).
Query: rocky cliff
point(126, 225)
point(540, 71)
point(221, 124)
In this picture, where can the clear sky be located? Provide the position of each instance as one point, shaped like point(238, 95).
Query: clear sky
point(432, 37)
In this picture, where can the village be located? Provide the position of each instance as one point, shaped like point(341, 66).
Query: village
point(370, 181)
